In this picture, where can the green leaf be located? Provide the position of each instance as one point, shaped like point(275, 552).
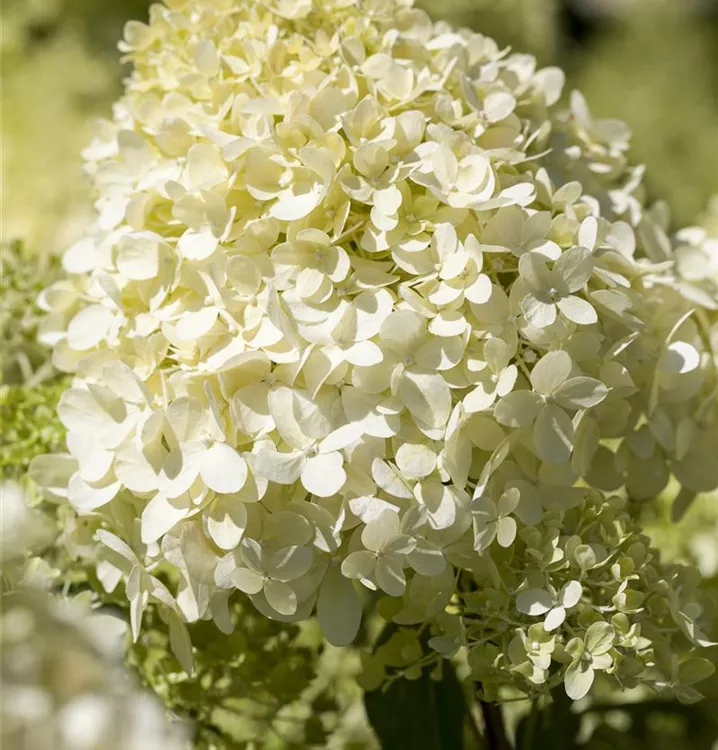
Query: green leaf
point(422, 714)
point(695, 669)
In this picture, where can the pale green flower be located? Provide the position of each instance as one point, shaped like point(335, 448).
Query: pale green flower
point(536, 601)
point(272, 574)
point(550, 291)
point(589, 654)
point(382, 563)
point(530, 653)
point(494, 520)
point(554, 392)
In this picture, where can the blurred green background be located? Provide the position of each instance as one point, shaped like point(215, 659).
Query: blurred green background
point(652, 63)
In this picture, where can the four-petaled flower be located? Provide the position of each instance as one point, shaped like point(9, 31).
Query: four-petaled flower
point(588, 654)
point(549, 290)
point(536, 602)
point(494, 520)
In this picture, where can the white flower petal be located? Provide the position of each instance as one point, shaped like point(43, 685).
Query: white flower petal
point(506, 531)
point(160, 515)
point(89, 327)
point(416, 460)
point(323, 475)
point(390, 480)
point(223, 469)
point(378, 532)
point(226, 522)
point(341, 437)
point(283, 468)
point(358, 565)
point(480, 291)
point(290, 563)
point(390, 576)
point(534, 602)
point(554, 618)
point(498, 106)
point(138, 255)
point(578, 310)
point(518, 408)
point(197, 245)
point(553, 435)
point(551, 371)
point(193, 325)
point(538, 313)
point(580, 393)
point(427, 396)
point(86, 497)
point(369, 508)
point(570, 594)
point(678, 358)
point(427, 559)
point(281, 597)
point(247, 580)
point(578, 679)
point(574, 267)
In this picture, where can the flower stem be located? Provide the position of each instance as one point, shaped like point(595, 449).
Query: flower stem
point(495, 737)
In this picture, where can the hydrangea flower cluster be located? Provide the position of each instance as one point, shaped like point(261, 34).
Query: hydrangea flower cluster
point(362, 307)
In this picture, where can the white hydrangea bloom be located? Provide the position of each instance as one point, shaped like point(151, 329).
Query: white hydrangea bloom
point(361, 304)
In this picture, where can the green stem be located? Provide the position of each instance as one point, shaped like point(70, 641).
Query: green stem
point(528, 739)
point(495, 737)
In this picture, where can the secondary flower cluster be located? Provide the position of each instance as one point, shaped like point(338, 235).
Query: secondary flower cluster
point(361, 305)
point(63, 677)
point(44, 643)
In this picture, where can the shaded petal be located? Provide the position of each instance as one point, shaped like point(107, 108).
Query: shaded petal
point(339, 608)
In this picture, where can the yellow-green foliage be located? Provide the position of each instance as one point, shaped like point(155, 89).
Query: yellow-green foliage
point(266, 686)
point(29, 386)
point(23, 277)
point(30, 426)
